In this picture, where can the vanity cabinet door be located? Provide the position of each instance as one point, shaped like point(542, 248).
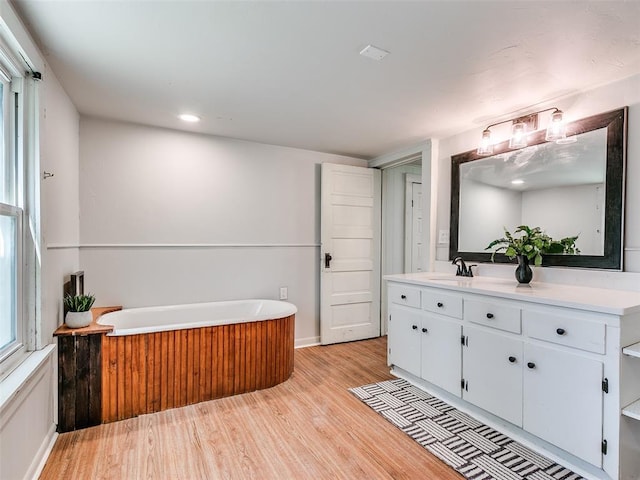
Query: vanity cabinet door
point(441, 356)
point(404, 338)
point(492, 372)
point(563, 400)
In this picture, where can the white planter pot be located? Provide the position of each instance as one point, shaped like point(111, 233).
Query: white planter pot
point(78, 319)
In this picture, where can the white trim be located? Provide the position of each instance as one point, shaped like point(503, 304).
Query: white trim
point(307, 342)
point(430, 177)
point(399, 156)
point(16, 380)
point(18, 38)
point(62, 246)
point(40, 460)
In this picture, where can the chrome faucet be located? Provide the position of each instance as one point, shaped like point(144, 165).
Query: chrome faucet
point(463, 270)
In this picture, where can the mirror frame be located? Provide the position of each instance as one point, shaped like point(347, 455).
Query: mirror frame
point(616, 124)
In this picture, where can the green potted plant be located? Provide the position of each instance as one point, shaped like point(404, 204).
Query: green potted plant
point(78, 310)
point(530, 244)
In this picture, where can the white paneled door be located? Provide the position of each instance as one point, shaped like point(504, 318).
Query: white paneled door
point(350, 253)
point(413, 256)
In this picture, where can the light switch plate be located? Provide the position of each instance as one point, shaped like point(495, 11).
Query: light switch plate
point(443, 237)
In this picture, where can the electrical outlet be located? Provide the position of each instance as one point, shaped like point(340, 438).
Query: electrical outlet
point(284, 293)
point(443, 237)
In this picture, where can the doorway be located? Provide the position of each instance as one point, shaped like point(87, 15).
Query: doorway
point(404, 227)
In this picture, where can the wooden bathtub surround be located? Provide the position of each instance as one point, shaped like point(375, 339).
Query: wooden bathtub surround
point(80, 372)
point(157, 371)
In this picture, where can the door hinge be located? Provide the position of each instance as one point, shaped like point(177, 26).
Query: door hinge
point(605, 385)
point(411, 203)
point(604, 447)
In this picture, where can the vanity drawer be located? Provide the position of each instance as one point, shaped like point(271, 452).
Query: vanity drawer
point(503, 317)
point(565, 330)
point(448, 304)
point(404, 295)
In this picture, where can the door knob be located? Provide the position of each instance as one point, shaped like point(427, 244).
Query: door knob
point(561, 331)
point(531, 365)
point(512, 359)
point(424, 330)
point(415, 327)
point(327, 260)
point(489, 315)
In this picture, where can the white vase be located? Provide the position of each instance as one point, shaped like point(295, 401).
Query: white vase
point(78, 319)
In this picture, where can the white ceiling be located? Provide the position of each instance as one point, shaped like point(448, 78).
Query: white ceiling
point(289, 73)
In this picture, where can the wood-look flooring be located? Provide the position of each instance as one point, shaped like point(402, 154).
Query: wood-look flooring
point(309, 427)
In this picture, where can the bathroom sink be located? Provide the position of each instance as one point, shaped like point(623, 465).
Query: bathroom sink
point(449, 279)
point(467, 281)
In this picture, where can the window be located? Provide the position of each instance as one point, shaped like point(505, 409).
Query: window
point(13, 323)
point(10, 279)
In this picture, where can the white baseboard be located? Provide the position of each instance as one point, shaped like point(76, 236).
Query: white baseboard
point(306, 342)
point(36, 467)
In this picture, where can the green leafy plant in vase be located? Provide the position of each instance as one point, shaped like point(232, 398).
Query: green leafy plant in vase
point(529, 245)
point(78, 310)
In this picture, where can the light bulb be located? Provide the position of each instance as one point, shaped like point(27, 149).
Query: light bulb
point(556, 130)
point(485, 148)
point(518, 135)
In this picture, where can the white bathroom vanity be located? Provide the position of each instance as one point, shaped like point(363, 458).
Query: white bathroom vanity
point(556, 367)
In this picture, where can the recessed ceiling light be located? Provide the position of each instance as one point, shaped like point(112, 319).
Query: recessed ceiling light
point(517, 182)
point(373, 52)
point(187, 117)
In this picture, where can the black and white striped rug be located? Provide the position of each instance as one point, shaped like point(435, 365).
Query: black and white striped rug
point(475, 450)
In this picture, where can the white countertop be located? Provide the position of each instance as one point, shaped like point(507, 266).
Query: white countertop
point(617, 302)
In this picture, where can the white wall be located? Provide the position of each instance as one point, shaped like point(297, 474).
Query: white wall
point(27, 430)
point(28, 410)
point(602, 99)
point(183, 217)
point(59, 199)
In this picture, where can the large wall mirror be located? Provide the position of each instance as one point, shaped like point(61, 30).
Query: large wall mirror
point(575, 187)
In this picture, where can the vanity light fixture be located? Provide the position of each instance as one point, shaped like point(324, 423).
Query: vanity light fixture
point(521, 127)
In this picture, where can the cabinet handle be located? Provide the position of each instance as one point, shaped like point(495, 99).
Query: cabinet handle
point(531, 365)
point(512, 359)
point(440, 304)
point(415, 327)
point(561, 331)
point(403, 297)
point(489, 315)
point(424, 330)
